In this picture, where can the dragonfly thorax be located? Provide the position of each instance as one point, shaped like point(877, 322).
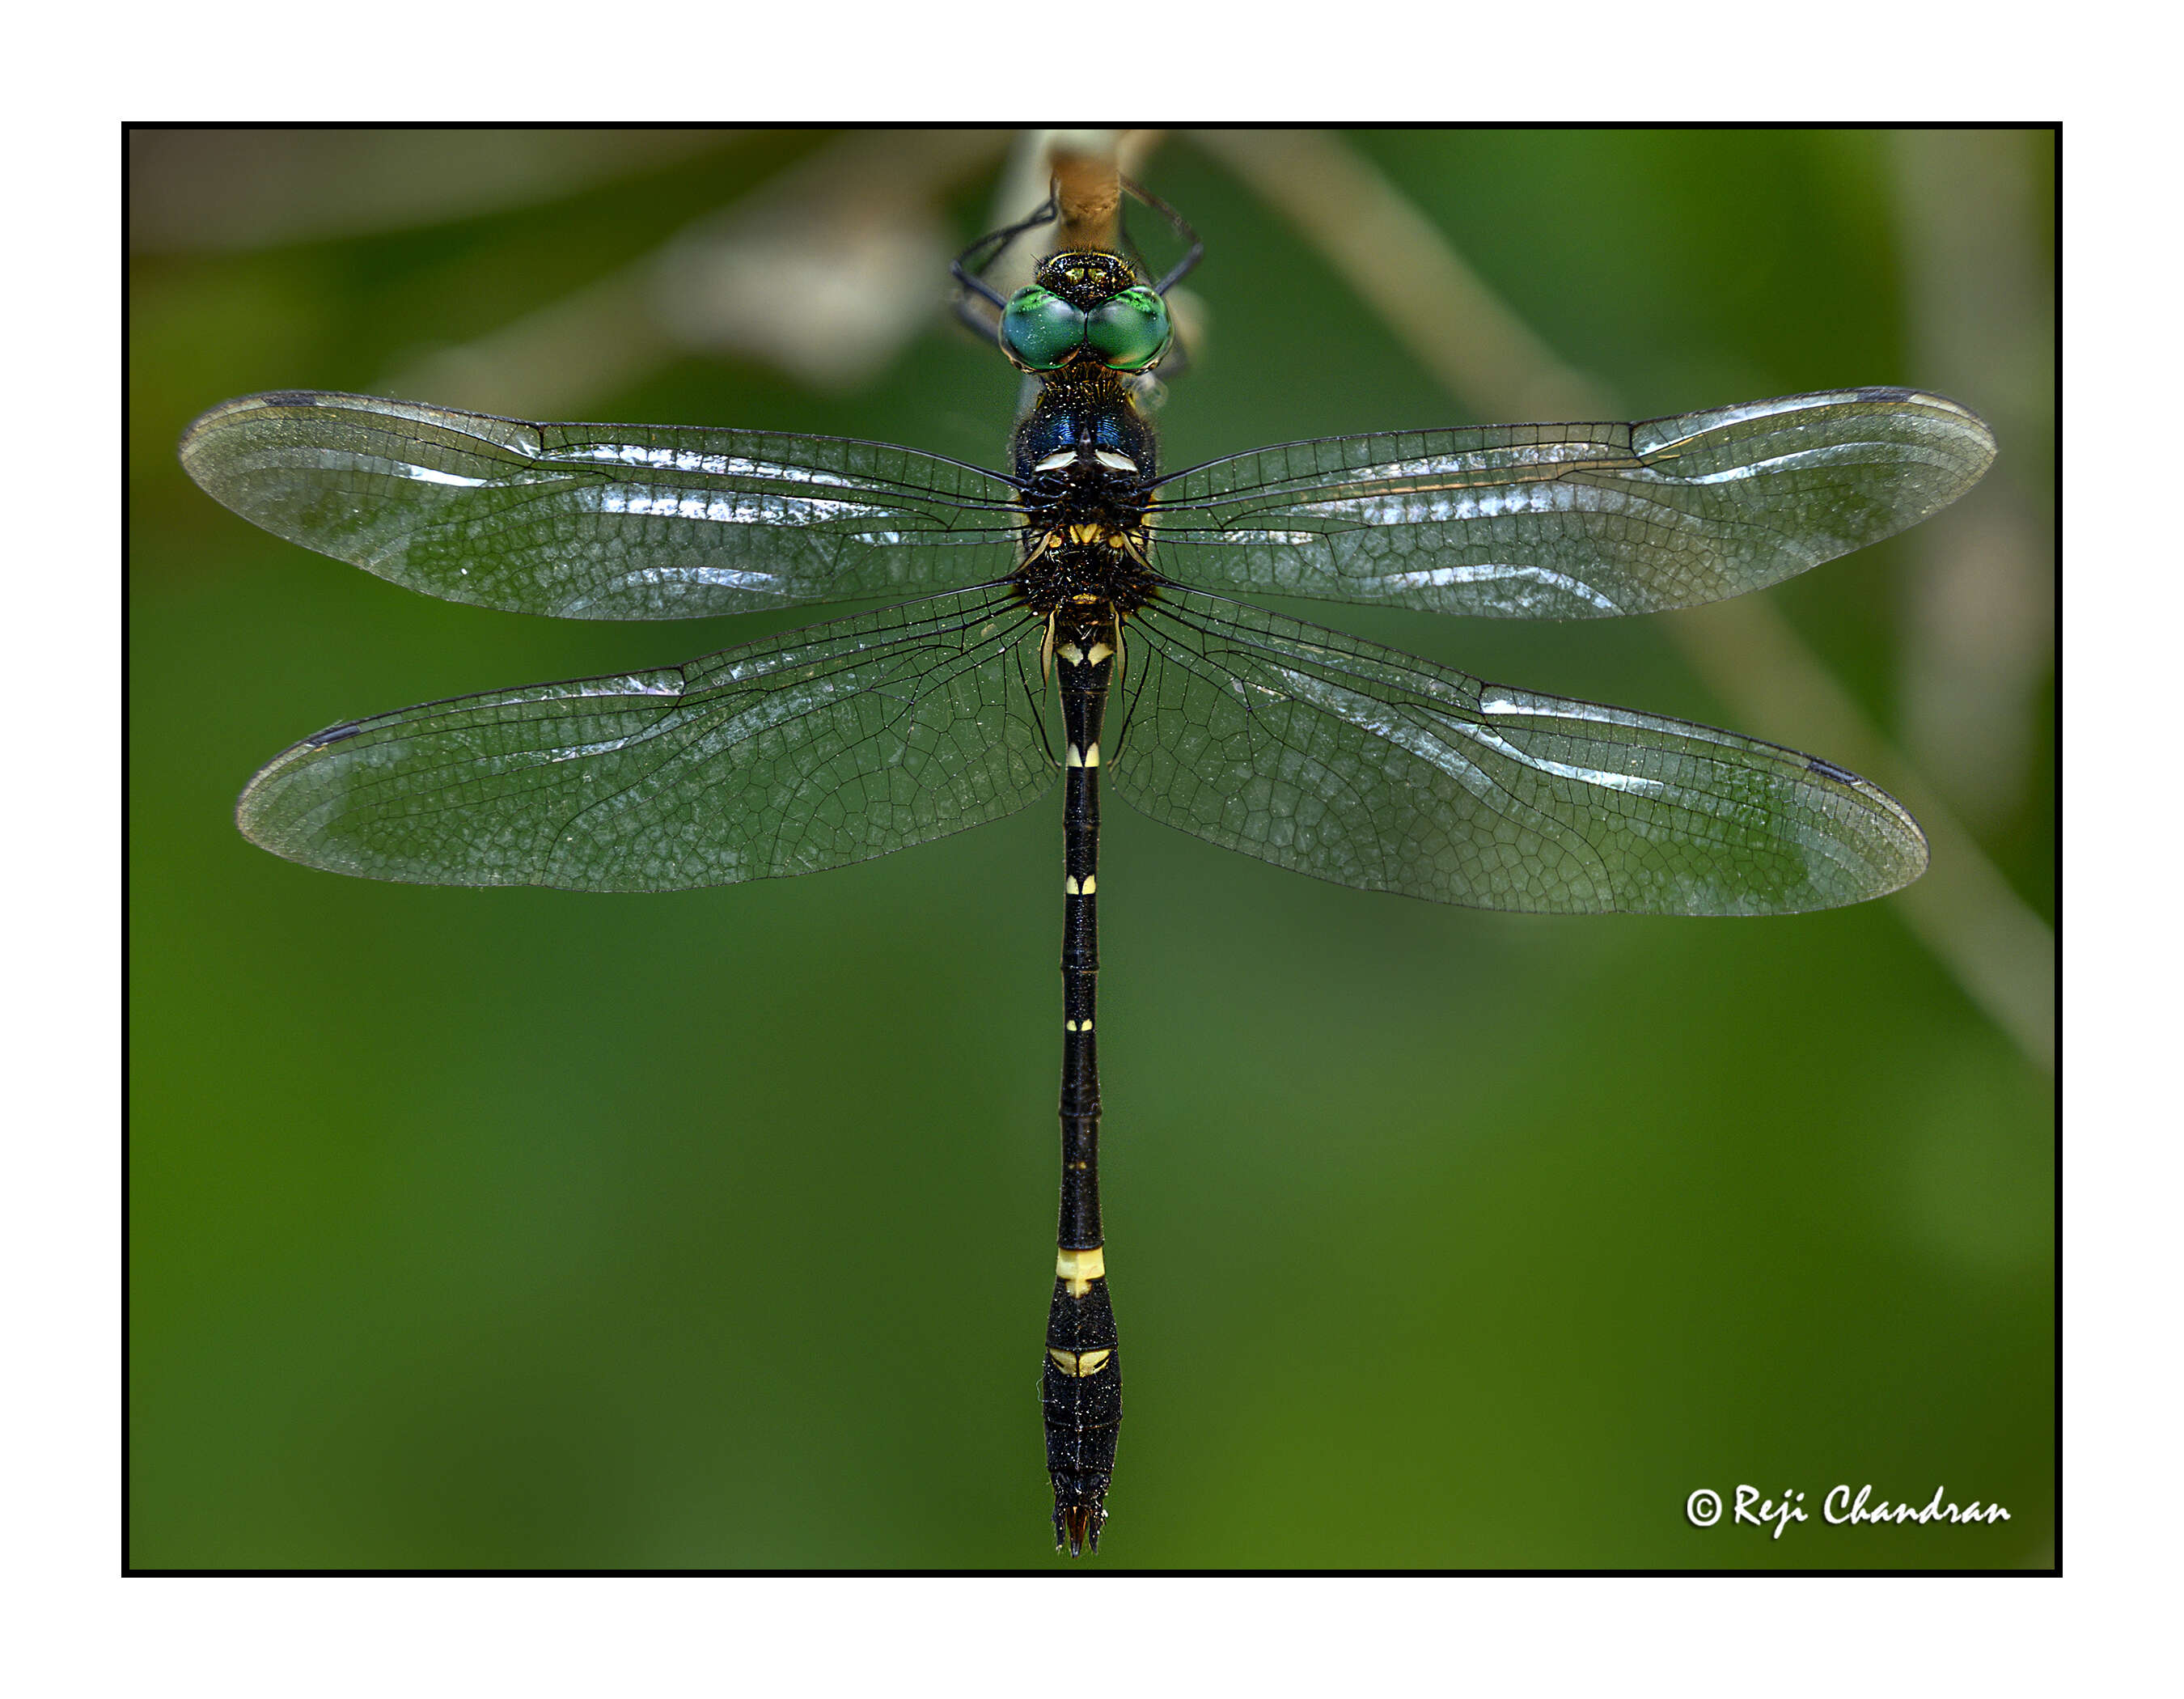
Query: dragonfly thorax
point(1088, 574)
point(1084, 539)
point(1085, 460)
point(1086, 413)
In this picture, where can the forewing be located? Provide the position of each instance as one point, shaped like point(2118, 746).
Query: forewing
point(599, 521)
point(1321, 752)
point(808, 750)
point(1570, 521)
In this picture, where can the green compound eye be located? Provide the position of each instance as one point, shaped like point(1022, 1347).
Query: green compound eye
point(1130, 330)
point(1040, 330)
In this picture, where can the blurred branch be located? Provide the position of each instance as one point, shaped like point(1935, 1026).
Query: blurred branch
point(1981, 638)
point(1390, 253)
point(209, 190)
point(806, 274)
point(1088, 187)
point(1078, 162)
point(1963, 910)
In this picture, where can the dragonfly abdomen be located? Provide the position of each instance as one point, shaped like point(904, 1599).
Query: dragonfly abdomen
point(1082, 1384)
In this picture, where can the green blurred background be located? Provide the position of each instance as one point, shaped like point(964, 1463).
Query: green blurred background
point(521, 1228)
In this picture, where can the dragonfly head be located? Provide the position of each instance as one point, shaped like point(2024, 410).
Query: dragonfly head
point(1085, 306)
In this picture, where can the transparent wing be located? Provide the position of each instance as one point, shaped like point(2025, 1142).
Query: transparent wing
point(1567, 522)
point(599, 521)
point(808, 750)
point(1335, 757)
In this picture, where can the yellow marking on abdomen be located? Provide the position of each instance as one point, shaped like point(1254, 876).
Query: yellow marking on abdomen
point(1072, 887)
point(1077, 1364)
point(1076, 1026)
point(1100, 651)
point(1078, 1269)
point(1070, 652)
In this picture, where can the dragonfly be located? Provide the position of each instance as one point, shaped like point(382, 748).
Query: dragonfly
point(1085, 615)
